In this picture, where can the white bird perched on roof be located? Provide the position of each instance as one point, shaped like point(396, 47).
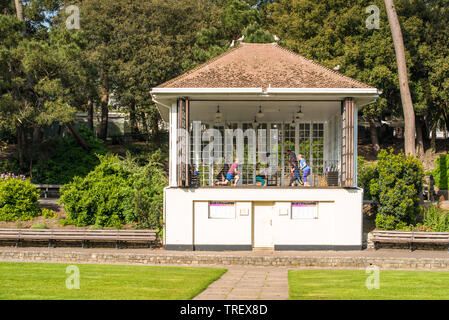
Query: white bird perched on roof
point(232, 43)
point(276, 38)
point(241, 38)
point(337, 68)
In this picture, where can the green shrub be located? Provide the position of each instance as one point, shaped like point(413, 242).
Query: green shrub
point(365, 173)
point(39, 226)
point(65, 222)
point(385, 222)
point(48, 214)
point(395, 188)
point(149, 152)
point(441, 172)
point(117, 191)
point(18, 199)
point(69, 159)
point(436, 219)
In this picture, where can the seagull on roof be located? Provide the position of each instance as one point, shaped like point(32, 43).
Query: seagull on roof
point(241, 38)
point(276, 38)
point(337, 68)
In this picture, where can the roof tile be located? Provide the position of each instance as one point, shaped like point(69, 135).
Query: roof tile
point(256, 65)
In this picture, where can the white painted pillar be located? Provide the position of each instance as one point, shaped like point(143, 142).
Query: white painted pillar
point(355, 142)
point(173, 152)
point(326, 144)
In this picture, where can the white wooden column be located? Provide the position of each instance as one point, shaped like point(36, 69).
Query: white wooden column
point(349, 141)
point(282, 153)
point(173, 152)
point(355, 143)
point(326, 144)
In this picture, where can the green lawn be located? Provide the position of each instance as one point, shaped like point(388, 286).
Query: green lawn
point(48, 281)
point(350, 284)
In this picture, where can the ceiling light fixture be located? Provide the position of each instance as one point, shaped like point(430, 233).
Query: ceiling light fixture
point(260, 114)
point(218, 114)
point(299, 114)
point(255, 123)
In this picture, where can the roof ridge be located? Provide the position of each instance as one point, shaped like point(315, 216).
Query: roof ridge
point(320, 65)
point(204, 64)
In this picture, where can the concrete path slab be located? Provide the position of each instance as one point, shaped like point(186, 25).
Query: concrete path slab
point(249, 283)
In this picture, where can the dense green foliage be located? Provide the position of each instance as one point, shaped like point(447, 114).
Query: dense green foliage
point(441, 172)
point(18, 199)
point(365, 173)
point(394, 184)
point(335, 33)
point(68, 159)
point(49, 72)
point(435, 220)
point(396, 189)
point(36, 87)
point(118, 191)
point(254, 34)
point(9, 165)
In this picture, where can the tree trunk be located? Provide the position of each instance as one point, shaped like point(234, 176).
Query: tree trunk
point(426, 130)
point(399, 133)
point(104, 107)
point(374, 135)
point(419, 138)
point(90, 114)
point(433, 142)
point(446, 122)
point(19, 9)
point(144, 122)
point(407, 104)
point(77, 136)
point(132, 119)
point(20, 144)
point(37, 138)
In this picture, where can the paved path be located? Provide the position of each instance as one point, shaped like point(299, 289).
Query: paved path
point(250, 283)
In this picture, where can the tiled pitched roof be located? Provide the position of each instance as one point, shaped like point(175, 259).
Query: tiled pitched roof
point(256, 65)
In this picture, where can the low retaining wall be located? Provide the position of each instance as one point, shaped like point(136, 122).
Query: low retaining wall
point(164, 258)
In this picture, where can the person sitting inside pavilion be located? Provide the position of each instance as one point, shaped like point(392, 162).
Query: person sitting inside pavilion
point(232, 173)
point(262, 175)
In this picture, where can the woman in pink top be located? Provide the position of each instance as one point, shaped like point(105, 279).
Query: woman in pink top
point(233, 173)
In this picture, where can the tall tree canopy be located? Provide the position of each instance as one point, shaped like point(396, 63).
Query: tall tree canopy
point(335, 34)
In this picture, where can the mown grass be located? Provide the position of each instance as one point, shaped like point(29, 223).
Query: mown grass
point(351, 285)
point(42, 281)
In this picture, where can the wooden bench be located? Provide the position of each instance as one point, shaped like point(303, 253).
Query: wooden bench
point(46, 189)
point(410, 237)
point(79, 235)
